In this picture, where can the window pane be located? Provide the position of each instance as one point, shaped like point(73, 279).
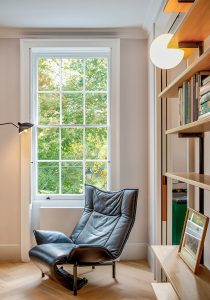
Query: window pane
point(48, 178)
point(49, 74)
point(96, 174)
point(96, 74)
point(49, 109)
point(72, 74)
point(72, 143)
point(48, 143)
point(96, 109)
point(72, 109)
point(72, 178)
point(96, 143)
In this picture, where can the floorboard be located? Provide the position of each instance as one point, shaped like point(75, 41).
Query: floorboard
point(22, 281)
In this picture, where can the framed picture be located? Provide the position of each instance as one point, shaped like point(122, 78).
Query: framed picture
point(192, 240)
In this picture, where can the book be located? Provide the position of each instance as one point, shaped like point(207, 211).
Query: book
point(191, 98)
point(188, 102)
point(180, 106)
point(204, 115)
point(204, 111)
point(184, 96)
point(197, 96)
point(204, 98)
point(205, 88)
point(205, 105)
point(206, 80)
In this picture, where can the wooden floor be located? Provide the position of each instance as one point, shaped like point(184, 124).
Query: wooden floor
point(21, 281)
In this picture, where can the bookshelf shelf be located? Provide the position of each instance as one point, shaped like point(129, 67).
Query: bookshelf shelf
point(199, 126)
point(199, 180)
point(184, 282)
point(202, 64)
point(195, 26)
point(175, 6)
point(164, 291)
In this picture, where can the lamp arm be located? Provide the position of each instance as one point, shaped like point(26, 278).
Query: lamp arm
point(9, 123)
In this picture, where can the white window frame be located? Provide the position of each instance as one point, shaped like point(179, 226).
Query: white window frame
point(82, 52)
point(25, 115)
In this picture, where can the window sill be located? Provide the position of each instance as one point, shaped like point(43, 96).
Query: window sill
point(59, 203)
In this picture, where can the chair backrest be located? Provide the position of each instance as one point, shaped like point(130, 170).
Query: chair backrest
point(107, 219)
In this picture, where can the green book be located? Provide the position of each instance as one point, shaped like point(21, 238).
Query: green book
point(205, 98)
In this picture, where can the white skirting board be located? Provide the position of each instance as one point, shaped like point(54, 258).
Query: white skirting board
point(151, 258)
point(133, 251)
point(10, 252)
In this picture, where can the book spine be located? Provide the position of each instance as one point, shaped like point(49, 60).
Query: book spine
point(191, 99)
point(204, 111)
point(204, 98)
point(204, 89)
point(196, 97)
point(205, 105)
point(184, 103)
point(188, 102)
point(206, 80)
point(180, 107)
point(199, 85)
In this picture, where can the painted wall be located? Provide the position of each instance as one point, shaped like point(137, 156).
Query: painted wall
point(9, 150)
point(134, 136)
point(133, 145)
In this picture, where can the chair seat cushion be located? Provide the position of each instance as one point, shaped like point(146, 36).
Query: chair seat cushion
point(46, 237)
point(51, 253)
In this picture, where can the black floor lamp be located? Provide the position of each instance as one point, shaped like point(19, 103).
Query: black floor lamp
point(21, 126)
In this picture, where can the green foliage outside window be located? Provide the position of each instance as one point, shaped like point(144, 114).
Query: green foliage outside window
point(71, 124)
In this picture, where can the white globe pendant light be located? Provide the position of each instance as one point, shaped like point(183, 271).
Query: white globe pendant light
point(163, 57)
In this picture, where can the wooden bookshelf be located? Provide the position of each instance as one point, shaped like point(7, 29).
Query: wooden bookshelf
point(199, 126)
point(185, 283)
point(202, 64)
point(195, 26)
point(164, 291)
point(199, 180)
point(175, 6)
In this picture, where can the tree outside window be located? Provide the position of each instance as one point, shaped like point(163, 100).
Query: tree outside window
point(72, 124)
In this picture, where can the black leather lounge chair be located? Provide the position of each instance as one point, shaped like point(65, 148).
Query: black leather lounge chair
point(98, 238)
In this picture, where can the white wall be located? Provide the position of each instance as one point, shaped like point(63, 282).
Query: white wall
point(133, 122)
point(134, 136)
point(9, 150)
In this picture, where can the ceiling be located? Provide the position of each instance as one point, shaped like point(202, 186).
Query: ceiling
point(78, 13)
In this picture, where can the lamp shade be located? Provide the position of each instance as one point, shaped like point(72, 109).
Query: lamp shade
point(24, 126)
point(21, 126)
point(162, 56)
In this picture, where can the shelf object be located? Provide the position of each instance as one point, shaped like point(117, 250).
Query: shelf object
point(195, 27)
point(199, 126)
point(199, 180)
point(186, 284)
point(176, 6)
point(164, 291)
point(201, 64)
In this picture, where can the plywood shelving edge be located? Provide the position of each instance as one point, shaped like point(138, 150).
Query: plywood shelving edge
point(192, 69)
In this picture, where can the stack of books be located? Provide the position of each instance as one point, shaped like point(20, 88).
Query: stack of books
point(190, 106)
point(205, 97)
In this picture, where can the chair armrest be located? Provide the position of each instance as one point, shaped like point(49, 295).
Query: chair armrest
point(89, 254)
point(46, 237)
